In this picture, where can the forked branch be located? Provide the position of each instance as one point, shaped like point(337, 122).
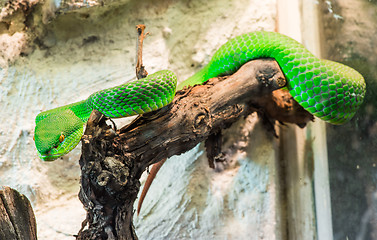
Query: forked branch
point(113, 161)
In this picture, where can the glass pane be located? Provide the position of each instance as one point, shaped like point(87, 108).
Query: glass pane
point(349, 36)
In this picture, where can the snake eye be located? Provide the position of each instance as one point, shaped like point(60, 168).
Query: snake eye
point(61, 138)
point(34, 138)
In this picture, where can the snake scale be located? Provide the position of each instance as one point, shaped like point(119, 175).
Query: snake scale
point(329, 90)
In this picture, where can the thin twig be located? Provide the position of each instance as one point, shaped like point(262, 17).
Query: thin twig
point(140, 70)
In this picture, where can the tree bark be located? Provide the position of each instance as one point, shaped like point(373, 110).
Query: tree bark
point(17, 220)
point(113, 161)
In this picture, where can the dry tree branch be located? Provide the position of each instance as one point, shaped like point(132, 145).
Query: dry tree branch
point(113, 161)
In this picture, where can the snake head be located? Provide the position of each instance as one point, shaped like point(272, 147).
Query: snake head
point(57, 133)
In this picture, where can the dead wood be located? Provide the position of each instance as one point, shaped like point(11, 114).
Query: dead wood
point(113, 161)
point(141, 72)
point(17, 220)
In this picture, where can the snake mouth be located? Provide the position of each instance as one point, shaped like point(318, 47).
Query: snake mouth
point(61, 148)
point(48, 156)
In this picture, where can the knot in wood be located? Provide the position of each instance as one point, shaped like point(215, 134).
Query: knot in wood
point(264, 79)
point(103, 178)
point(271, 78)
point(281, 82)
point(202, 120)
point(119, 172)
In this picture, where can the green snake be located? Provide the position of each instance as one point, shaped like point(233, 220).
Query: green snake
point(330, 91)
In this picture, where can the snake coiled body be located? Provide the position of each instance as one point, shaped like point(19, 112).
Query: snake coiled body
point(329, 90)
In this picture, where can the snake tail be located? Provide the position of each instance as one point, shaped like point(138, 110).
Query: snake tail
point(155, 168)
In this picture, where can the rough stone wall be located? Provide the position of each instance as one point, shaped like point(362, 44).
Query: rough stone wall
point(56, 52)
